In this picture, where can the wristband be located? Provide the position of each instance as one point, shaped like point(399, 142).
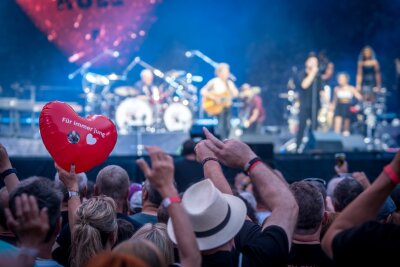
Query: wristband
point(208, 159)
point(7, 172)
point(169, 200)
point(391, 174)
point(251, 164)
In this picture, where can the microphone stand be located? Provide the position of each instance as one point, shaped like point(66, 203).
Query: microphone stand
point(210, 62)
point(85, 66)
point(160, 74)
point(132, 64)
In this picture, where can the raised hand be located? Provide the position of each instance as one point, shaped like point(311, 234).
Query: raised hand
point(340, 169)
point(4, 159)
point(30, 224)
point(232, 153)
point(203, 151)
point(70, 179)
point(161, 172)
point(361, 178)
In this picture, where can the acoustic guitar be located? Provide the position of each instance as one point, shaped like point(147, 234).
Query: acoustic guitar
point(214, 103)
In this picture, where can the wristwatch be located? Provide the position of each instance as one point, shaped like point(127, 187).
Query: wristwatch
point(72, 194)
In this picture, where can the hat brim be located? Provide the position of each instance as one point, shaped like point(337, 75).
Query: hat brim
point(235, 223)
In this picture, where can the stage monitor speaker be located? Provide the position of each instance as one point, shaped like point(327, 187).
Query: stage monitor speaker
point(261, 144)
point(325, 142)
point(196, 131)
point(354, 143)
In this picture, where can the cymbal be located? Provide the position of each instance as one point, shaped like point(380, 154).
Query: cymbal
point(115, 77)
point(175, 73)
point(126, 91)
point(97, 78)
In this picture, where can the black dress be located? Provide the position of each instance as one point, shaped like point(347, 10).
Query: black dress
point(368, 81)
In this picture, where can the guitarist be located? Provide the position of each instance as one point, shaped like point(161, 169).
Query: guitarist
point(253, 113)
point(217, 95)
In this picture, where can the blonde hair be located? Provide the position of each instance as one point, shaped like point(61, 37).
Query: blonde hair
point(106, 259)
point(144, 250)
point(220, 67)
point(157, 234)
point(95, 222)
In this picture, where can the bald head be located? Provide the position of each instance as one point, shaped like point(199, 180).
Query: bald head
point(113, 181)
point(147, 77)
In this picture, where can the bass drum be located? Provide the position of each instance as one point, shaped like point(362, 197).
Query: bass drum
point(134, 112)
point(178, 117)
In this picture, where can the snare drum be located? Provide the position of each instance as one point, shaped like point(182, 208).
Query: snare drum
point(178, 117)
point(134, 112)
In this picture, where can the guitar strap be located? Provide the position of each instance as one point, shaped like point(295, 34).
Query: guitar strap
point(229, 88)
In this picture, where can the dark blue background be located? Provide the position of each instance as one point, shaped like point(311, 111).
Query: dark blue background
point(261, 40)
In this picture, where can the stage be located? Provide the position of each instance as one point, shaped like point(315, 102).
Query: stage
point(30, 157)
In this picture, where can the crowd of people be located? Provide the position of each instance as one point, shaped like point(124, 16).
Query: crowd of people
point(256, 220)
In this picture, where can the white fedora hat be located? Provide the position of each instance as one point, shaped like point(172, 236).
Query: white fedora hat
point(216, 217)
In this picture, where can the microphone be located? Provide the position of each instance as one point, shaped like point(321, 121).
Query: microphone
point(190, 53)
point(232, 77)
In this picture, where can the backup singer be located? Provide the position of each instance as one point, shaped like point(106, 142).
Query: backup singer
point(368, 74)
point(253, 113)
point(342, 101)
point(310, 93)
point(217, 95)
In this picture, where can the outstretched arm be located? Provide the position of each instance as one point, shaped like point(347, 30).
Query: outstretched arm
point(70, 180)
point(11, 180)
point(211, 167)
point(273, 191)
point(365, 207)
point(161, 176)
point(30, 225)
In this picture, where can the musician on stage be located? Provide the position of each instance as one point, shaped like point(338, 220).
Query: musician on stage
point(343, 99)
point(310, 94)
point(368, 74)
point(146, 86)
point(252, 113)
point(217, 95)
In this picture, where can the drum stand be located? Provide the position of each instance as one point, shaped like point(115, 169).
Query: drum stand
point(139, 142)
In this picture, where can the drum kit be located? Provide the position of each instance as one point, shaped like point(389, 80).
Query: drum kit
point(170, 107)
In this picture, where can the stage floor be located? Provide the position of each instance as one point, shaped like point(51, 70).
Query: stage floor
point(30, 158)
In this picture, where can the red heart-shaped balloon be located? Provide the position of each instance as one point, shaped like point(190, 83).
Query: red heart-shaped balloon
point(71, 139)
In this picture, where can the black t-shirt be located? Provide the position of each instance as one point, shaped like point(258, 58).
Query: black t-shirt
point(308, 255)
point(371, 243)
point(220, 259)
point(253, 247)
point(61, 254)
point(64, 216)
point(187, 172)
point(268, 247)
point(306, 94)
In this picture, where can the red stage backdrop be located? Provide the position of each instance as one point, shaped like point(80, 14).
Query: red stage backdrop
point(86, 28)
